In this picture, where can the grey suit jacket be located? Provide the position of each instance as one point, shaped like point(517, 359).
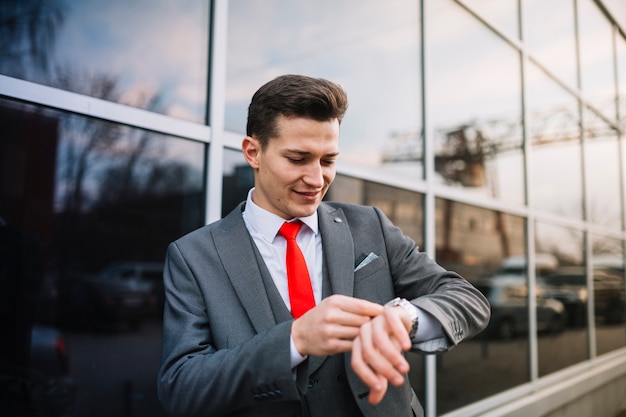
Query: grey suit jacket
point(226, 334)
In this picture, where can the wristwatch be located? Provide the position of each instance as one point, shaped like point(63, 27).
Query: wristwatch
point(409, 308)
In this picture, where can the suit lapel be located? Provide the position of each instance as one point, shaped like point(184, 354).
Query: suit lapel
point(237, 252)
point(338, 249)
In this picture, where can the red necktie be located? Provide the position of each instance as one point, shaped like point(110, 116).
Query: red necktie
point(300, 290)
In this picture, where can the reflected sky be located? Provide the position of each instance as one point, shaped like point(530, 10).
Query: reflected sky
point(372, 50)
point(474, 85)
point(144, 49)
point(473, 82)
point(551, 36)
point(131, 53)
point(596, 53)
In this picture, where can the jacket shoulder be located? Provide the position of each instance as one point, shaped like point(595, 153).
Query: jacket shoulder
point(231, 221)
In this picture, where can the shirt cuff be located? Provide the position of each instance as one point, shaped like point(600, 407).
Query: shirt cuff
point(428, 327)
point(296, 357)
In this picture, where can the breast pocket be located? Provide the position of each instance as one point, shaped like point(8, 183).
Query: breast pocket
point(363, 272)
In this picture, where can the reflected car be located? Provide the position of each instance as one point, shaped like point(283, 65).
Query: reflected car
point(147, 274)
point(46, 387)
point(508, 297)
point(50, 369)
point(569, 285)
point(118, 294)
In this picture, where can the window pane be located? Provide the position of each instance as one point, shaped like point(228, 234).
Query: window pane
point(561, 298)
point(602, 169)
point(404, 208)
point(596, 58)
point(618, 9)
point(238, 179)
point(97, 205)
point(608, 294)
point(555, 158)
point(621, 73)
point(487, 248)
point(501, 13)
point(552, 38)
point(113, 50)
point(475, 105)
point(372, 50)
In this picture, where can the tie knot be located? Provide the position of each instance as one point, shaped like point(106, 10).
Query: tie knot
point(289, 230)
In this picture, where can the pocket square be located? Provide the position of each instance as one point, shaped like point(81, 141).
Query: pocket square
point(368, 259)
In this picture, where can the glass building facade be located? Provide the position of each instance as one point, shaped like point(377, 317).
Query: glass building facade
point(493, 132)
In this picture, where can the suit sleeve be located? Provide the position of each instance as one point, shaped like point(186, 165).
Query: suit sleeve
point(459, 307)
point(199, 378)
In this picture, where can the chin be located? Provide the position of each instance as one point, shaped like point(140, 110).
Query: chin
point(304, 211)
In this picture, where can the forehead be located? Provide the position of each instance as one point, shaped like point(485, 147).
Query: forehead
point(294, 128)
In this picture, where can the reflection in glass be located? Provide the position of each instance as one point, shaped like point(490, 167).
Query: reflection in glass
point(108, 50)
point(555, 157)
point(602, 167)
point(101, 202)
point(487, 248)
point(561, 286)
point(597, 68)
point(552, 40)
point(237, 180)
point(621, 74)
point(404, 208)
point(475, 104)
point(609, 294)
point(621, 68)
point(373, 54)
point(501, 13)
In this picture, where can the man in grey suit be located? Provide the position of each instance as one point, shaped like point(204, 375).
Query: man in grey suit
point(231, 345)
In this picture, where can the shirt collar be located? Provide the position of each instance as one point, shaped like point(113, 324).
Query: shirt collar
point(267, 224)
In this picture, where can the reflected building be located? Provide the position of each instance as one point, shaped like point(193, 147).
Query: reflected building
point(492, 132)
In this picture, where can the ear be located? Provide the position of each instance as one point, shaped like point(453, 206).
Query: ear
point(251, 149)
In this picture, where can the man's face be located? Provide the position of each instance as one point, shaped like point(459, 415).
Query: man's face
point(294, 171)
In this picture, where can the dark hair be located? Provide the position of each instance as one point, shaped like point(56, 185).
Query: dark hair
point(297, 96)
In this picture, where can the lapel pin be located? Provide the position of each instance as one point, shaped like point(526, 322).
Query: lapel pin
point(337, 220)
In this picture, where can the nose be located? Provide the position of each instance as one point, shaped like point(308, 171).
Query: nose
point(314, 175)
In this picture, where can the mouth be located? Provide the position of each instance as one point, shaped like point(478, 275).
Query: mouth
point(308, 195)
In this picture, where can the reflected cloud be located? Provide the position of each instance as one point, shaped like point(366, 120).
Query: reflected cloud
point(138, 45)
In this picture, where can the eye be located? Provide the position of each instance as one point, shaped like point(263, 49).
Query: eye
point(328, 162)
point(295, 160)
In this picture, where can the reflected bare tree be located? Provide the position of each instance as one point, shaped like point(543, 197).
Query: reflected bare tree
point(28, 32)
point(83, 140)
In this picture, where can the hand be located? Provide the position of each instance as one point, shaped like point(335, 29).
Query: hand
point(331, 326)
point(377, 352)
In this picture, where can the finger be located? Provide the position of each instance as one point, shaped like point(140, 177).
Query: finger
point(397, 328)
point(357, 306)
point(389, 349)
point(376, 395)
point(380, 353)
point(361, 368)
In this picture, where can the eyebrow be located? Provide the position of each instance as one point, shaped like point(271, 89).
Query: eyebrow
point(299, 152)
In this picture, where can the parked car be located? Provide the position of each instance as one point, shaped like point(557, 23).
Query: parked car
point(508, 297)
point(569, 285)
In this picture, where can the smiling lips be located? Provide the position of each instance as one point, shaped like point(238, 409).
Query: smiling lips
point(310, 195)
